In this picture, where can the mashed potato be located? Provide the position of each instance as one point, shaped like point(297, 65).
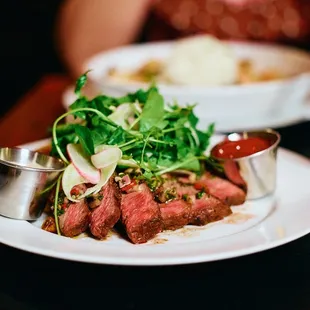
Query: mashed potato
point(201, 60)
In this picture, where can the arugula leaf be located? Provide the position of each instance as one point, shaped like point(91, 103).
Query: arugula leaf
point(62, 142)
point(142, 96)
point(77, 104)
point(100, 135)
point(153, 112)
point(193, 119)
point(182, 149)
point(117, 137)
point(85, 138)
point(204, 137)
point(210, 130)
point(65, 129)
point(192, 165)
point(81, 81)
point(102, 104)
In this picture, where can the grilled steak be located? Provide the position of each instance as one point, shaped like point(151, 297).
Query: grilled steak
point(75, 220)
point(175, 214)
point(49, 224)
point(208, 209)
point(172, 189)
point(106, 215)
point(75, 217)
point(202, 208)
point(232, 173)
point(140, 214)
point(222, 189)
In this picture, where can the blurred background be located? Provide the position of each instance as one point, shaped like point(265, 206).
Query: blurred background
point(55, 36)
point(28, 50)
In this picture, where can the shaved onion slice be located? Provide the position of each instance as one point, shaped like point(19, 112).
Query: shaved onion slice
point(121, 162)
point(71, 178)
point(106, 173)
point(106, 157)
point(102, 147)
point(82, 163)
point(128, 163)
point(121, 114)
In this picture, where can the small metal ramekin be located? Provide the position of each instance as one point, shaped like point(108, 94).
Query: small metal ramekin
point(255, 173)
point(25, 177)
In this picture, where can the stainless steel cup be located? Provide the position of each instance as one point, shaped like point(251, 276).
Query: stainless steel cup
point(25, 177)
point(256, 173)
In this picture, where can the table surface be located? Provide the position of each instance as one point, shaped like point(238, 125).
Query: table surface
point(275, 279)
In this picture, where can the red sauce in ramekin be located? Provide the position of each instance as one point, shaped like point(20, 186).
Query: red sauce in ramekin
point(240, 148)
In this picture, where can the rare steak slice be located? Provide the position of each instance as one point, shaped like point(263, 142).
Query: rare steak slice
point(175, 214)
point(232, 173)
point(222, 189)
point(191, 206)
point(107, 209)
point(172, 189)
point(75, 219)
point(140, 214)
point(208, 209)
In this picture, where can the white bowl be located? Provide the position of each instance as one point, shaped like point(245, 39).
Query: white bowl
point(233, 107)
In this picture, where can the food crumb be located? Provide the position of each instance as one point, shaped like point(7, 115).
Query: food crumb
point(81, 236)
point(280, 232)
point(238, 218)
point(185, 232)
point(159, 241)
point(87, 235)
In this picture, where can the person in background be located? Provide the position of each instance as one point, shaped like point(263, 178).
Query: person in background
point(32, 47)
point(87, 27)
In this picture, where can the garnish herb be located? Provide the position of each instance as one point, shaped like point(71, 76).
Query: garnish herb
point(185, 197)
point(170, 194)
point(56, 204)
point(165, 138)
point(81, 81)
point(200, 194)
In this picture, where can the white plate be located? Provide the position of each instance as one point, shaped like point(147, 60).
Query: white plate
point(233, 107)
point(254, 227)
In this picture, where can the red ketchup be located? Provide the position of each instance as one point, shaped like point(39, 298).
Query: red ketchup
point(240, 148)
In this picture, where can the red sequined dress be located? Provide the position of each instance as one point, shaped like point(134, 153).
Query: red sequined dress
point(286, 21)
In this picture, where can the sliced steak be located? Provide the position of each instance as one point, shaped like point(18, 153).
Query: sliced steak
point(172, 189)
point(222, 189)
point(208, 209)
point(140, 214)
point(49, 224)
point(107, 214)
point(232, 173)
point(75, 217)
point(203, 208)
point(75, 220)
point(175, 214)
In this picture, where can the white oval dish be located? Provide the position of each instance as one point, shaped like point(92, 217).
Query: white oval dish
point(231, 107)
point(274, 221)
